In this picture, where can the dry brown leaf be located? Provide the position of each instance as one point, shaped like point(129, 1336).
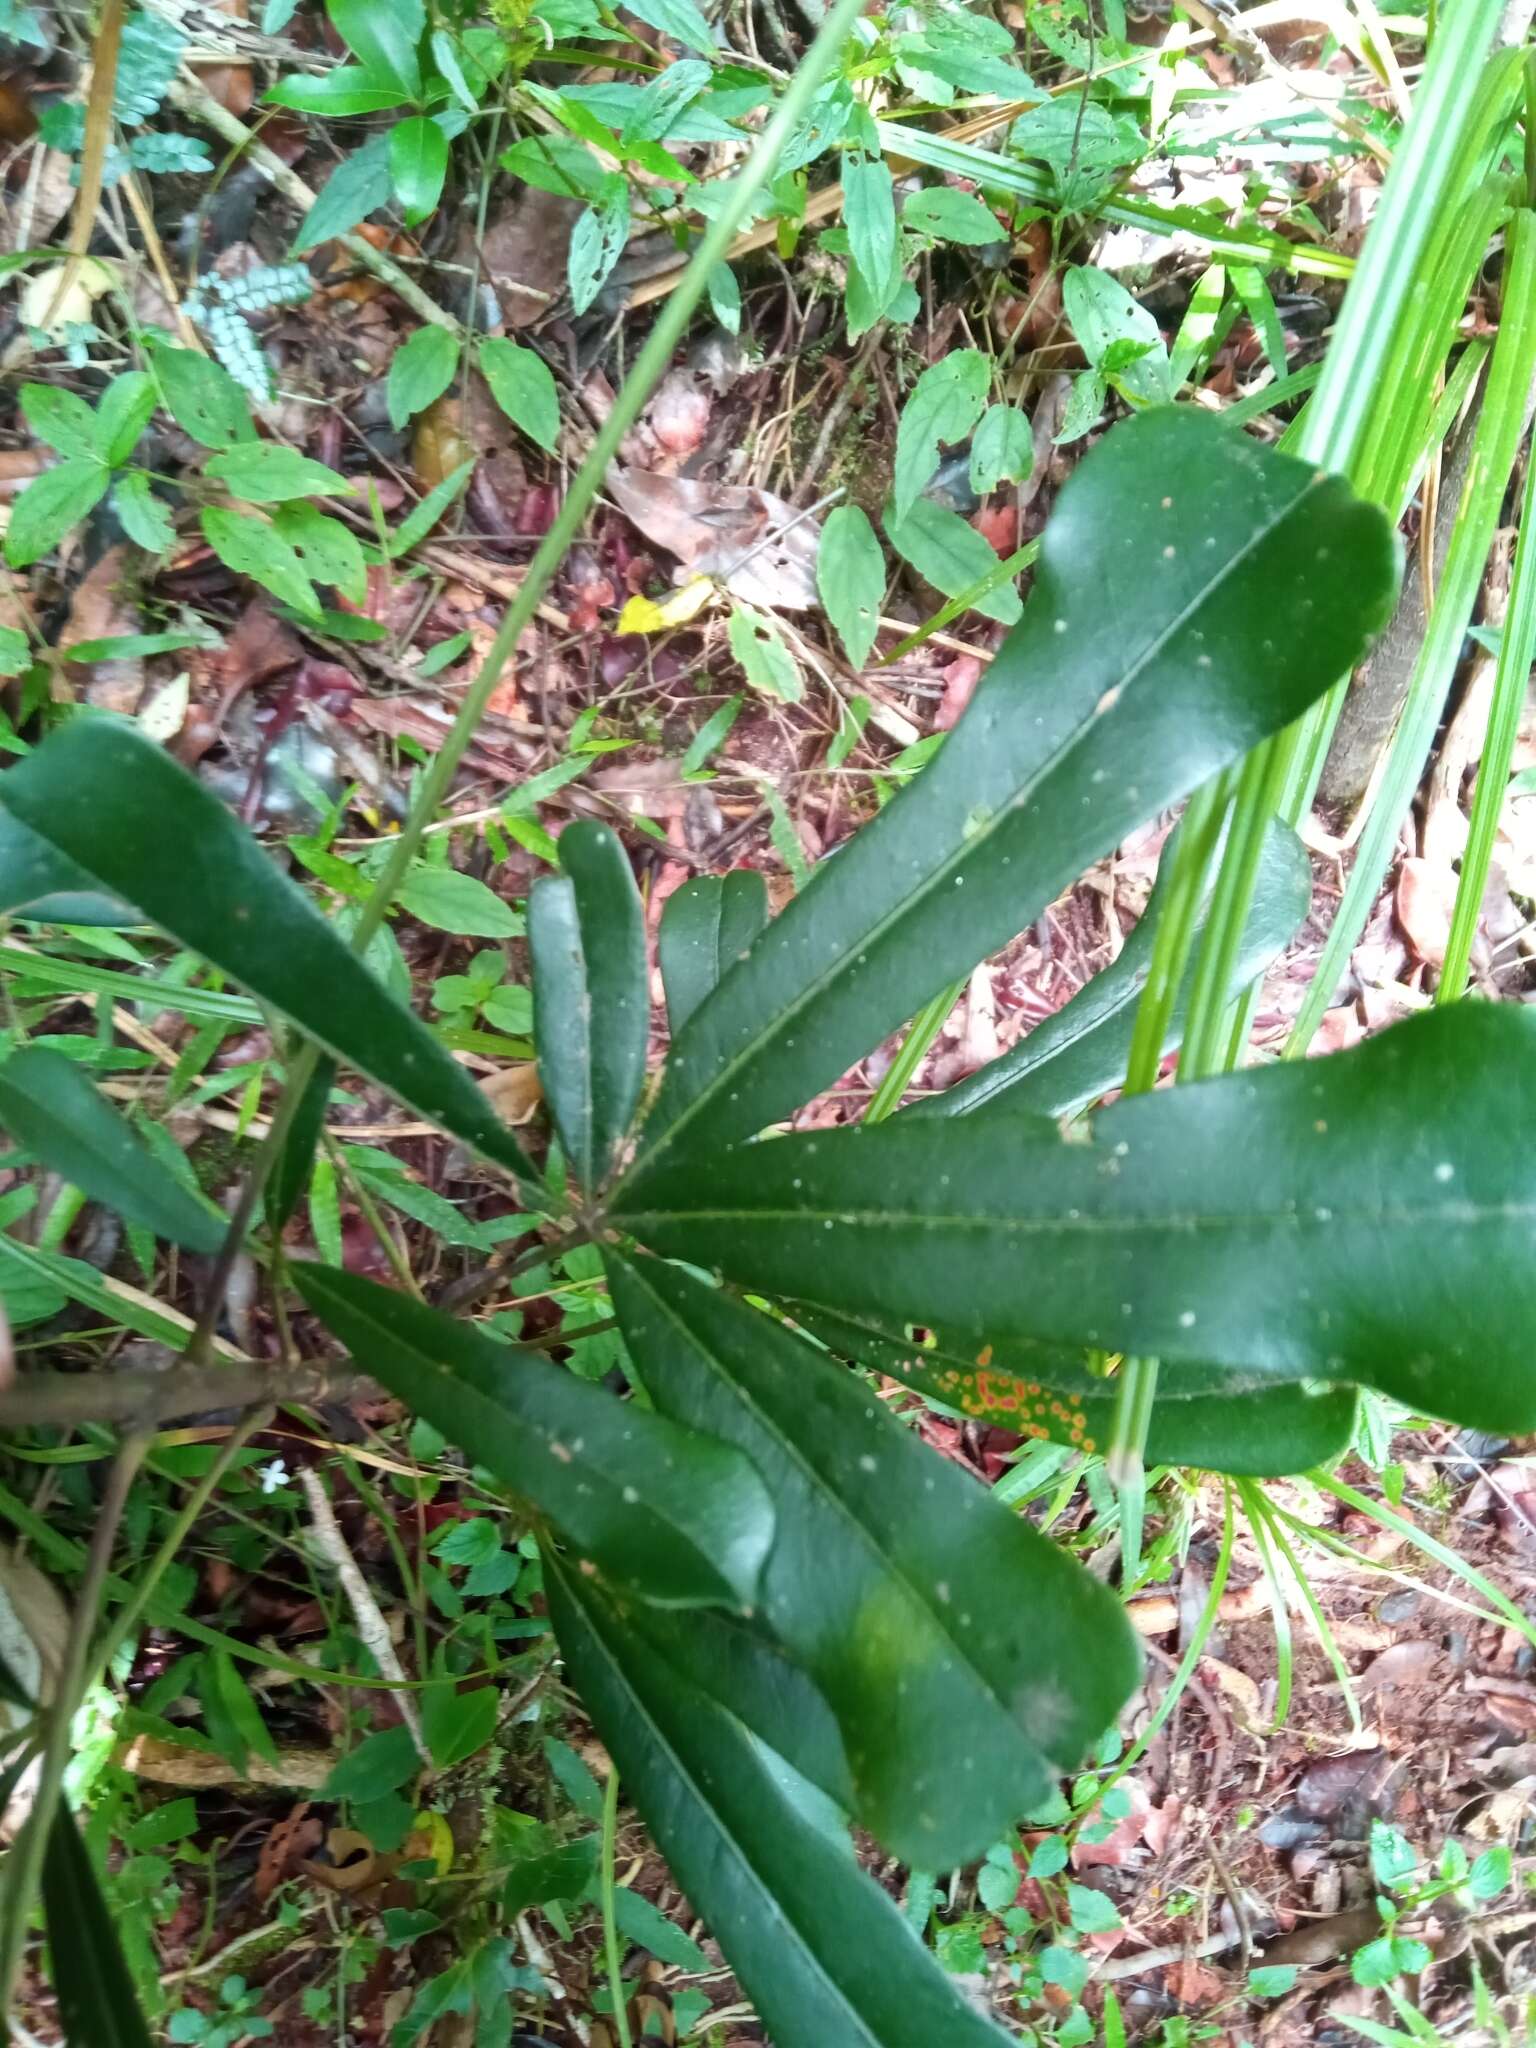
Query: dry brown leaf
point(514, 1092)
point(1399, 1665)
point(1191, 1983)
point(197, 1770)
point(713, 528)
point(105, 606)
point(1426, 896)
point(523, 253)
point(285, 1848)
point(1112, 1852)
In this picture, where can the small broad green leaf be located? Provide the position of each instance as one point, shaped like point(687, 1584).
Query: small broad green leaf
point(597, 242)
point(910, 1598)
point(869, 213)
point(765, 661)
point(821, 1951)
point(1158, 645)
point(330, 552)
point(953, 556)
point(420, 372)
point(86, 793)
point(1210, 1418)
point(359, 185)
point(452, 902)
point(682, 21)
point(1272, 1980)
point(15, 651)
point(1329, 1219)
point(383, 36)
point(945, 403)
point(1080, 1051)
point(50, 1106)
point(62, 419)
point(574, 1777)
point(521, 384)
point(648, 1927)
point(951, 216)
point(126, 408)
point(50, 505)
point(1002, 449)
point(202, 397)
point(725, 297)
point(1376, 1963)
point(267, 473)
point(347, 89)
point(850, 576)
point(1492, 1873)
point(97, 2004)
point(145, 520)
point(561, 1874)
point(418, 164)
point(1084, 407)
point(1118, 336)
point(586, 932)
point(707, 925)
point(676, 1517)
point(255, 548)
point(458, 1724)
point(380, 1764)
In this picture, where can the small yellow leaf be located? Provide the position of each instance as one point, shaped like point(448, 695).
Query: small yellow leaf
point(644, 615)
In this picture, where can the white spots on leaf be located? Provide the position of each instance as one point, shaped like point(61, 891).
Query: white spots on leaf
point(1187, 1319)
point(1445, 1171)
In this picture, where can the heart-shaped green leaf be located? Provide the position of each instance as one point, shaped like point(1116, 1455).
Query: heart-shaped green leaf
point(822, 1952)
point(135, 823)
point(675, 1516)
point(591, 1020)
point(1195, 591)
point(910, 1598)
point(1364, 1217)
point(49, 1106)
point(707, 925)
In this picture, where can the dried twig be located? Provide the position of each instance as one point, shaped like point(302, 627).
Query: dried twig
point(371, 1625)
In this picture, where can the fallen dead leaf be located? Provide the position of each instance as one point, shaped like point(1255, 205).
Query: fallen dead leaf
point(285, 1848)
point(1112, 1852)
point(1191, 1983)
point(1426, 896)
point(960, 680)
point(1399, 1665)
point(712, 529)
point(523, 253)
point(105, 606)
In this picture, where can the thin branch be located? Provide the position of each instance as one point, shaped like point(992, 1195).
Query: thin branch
point(64, 1400)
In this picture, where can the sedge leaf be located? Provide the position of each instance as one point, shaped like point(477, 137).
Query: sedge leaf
point(677, 1517)
point(125, 814)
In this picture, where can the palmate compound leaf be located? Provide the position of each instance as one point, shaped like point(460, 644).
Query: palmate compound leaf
point(706, 927)
point(824, 1955)
point(1194, 593)
point(124, 818)
point(586, 932)
point(1212, 1417)
point(669, 1513)
point(1080, 1051)
point(1367, 1217)
point(912, 1600)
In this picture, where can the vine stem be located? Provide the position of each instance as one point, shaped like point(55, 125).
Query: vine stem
point(650, 365)
point(610, 1923)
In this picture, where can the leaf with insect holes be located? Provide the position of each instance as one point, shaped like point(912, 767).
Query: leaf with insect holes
point(418, 164)
point(254, 548)
point(126, 408)
point(597, 242)
point(50, 1107)
point(707, 925)
point(822, 1952)
point(954, 557)
point(330, 552)
point(586, 932)
point(850, 575)
point(1002, 449)
point(383, 36)
point(1211, 1418)
point(945, 403)
point(420, 372)
point(951, 216)
point(1080, 1051)
point(97, 2002)
point(267, 473)
point(1158, 646)
point(1328, 1219)
point(86, 792)
point(765, 661)
point(50, 505)
point(144, 519)
point(521, 384)
point(202, 398)
point(670, 1515)
point(1119, 337)
point(62, 419)
point(910, 1598)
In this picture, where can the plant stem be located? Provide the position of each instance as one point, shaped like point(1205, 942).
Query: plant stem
point(25, 1863)
point(1517, 650)
point(923, 1030)
point(610, 1924)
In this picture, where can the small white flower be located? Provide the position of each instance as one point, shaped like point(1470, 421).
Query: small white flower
point(273, 1476)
